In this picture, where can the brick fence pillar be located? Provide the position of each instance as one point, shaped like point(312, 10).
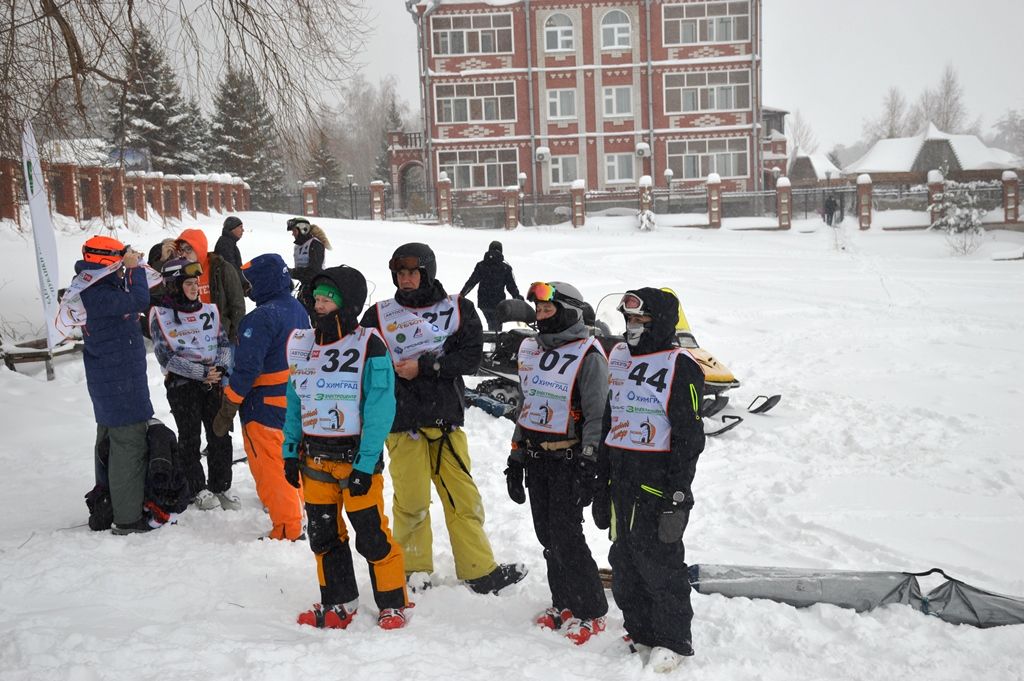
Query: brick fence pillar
point(444, 199)
point(216, 186)
point(203, 189)
point(92, 202)
point(1011, 197)
point(246, 196)
point(578, 203)
point(310, 199)
point(155, 182)
point(936, 185)
point(117, 205)
point(714, 188)
point(172, 185)
point(784, 202)
point(864, 189)
point(377, 205)
point(510, 201)
point(9, 169)
point(138, 184)
point(188, 191)
point(67, 197)
point(229, 196)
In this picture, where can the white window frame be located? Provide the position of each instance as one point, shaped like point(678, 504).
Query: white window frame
point(610, 96)
point(558, 164)
point(620, 34)
point(613, 163)
point(557, 100)
point(441, 35)
point(694, 160)
point(564, 36)
point(693, 88)
point(464, 102)
point(465, 170)
point(698, 20)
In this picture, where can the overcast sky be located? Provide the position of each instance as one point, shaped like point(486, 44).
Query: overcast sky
point(831, 59)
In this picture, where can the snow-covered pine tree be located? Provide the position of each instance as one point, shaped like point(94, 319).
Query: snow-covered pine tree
point(321, 161)
point(392, 122)
point(959, 215)
point(244, 142)
point(196, 147)
point(150, 114)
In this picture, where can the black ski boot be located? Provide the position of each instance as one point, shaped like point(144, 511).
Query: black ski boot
point(140, 525)
point(499, 578)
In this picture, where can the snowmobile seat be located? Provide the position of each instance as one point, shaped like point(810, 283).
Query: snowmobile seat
point(514, 310)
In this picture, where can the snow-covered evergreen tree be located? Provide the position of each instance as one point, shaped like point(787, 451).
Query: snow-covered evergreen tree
point(392, 122)
point(959, 215)
point(321, 161)
point(196, 147)
point(150, 114)
point(244, 142)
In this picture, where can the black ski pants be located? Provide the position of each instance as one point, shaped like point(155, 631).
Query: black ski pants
point(650, 579)
point(558, 522)
point(193, 408)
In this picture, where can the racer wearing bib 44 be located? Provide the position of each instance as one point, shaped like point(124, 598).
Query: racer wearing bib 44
point(564, 377)
point(341, 402)
point(652, 437)
point(435, 339)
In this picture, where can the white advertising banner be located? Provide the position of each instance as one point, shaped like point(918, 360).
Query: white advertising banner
point(42, 233)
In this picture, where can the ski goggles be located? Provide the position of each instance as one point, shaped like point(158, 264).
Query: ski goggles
point(104, 255)
point(189, 270)
point(543, 292)
point(404, 262)
point(631, 304)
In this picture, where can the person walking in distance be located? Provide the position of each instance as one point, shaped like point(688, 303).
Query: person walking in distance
point(434, 340)
point(335, 440)
point(494, 275)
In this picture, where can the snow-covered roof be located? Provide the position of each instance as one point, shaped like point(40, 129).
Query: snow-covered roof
point(897, 155)
point(82, 151)
point(492, 3)
point(823, 167)
point(776, 136)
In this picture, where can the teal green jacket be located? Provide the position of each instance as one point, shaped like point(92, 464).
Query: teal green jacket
point(376, 409)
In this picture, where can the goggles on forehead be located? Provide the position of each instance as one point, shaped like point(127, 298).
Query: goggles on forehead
point(404, 262)
point(187, 271)
point(543, 292)
point(631, 304)
point(113, 252)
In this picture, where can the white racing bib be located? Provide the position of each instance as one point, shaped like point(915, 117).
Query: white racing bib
point(328, 380)
point(411, 331)
point(194, 337)
point(640, 390)
point(301, 253)
point(548, 378)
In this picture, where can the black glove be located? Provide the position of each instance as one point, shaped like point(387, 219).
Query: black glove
point(583, 482)
point(291, 472)
point(673, 520)
point(359, 483)
point(514, 475)
point(601, 509)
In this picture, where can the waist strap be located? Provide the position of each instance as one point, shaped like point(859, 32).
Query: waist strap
point(557, 449)
point(321, 476)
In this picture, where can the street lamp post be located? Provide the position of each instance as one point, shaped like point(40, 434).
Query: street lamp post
point(351, 198)
point(668, 183)
point(522, 195)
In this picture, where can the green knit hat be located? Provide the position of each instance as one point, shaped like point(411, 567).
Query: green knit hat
point(328, 291)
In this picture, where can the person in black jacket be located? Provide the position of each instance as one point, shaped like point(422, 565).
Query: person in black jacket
point(227, 244)
point(652, 437)
point(434, 340)
point(311, 245)
point(494, 276)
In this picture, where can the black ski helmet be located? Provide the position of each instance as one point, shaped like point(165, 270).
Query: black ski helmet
point(301, 224)
point(351, 283)
point(414, 255)
point(569, 303)
point(175, 271)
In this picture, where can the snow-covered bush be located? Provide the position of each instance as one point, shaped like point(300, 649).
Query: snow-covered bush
point(646, 218)
point(958, 214)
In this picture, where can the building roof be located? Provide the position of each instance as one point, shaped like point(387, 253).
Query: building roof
point(898, 155)
point(83, 151)
point(823, 167)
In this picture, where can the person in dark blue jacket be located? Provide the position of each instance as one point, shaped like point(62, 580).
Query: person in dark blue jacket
point(115, 372)
point(257, 386)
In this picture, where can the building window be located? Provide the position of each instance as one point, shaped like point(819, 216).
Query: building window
point(707, 91)
point(476, 34)
point(562, 103)
point(696, 159)
point(480, 168)
point(564, 169)
point(558, 35)
point(618, 168)
point(475, 102)
point(712, 22)
point(618, 101)
point(615, 30)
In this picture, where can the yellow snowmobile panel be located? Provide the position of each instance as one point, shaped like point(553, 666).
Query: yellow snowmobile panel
point(682, 324)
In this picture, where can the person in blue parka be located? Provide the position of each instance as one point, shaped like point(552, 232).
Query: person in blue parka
point(115, 373)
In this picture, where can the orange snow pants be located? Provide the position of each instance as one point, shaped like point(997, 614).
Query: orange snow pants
point(263, 446)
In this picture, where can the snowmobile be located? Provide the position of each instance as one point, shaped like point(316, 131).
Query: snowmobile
point(500, 395)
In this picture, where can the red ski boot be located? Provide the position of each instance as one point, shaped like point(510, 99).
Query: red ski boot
point(330, 617)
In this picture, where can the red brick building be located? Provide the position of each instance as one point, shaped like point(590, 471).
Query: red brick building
point(600, 90)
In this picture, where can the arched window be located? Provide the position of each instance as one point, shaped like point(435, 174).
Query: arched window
point(558, 35)
point(615, 30)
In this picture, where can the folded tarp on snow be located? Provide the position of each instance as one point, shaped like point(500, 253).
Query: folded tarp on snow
point(953, 601)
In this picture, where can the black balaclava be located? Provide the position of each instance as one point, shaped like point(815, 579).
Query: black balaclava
point(567, 314)
point(659, 333)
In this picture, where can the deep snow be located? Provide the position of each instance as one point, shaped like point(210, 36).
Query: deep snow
point(896, 446)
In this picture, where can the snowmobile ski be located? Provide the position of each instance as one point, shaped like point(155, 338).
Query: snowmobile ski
point(729, 422)
point(759, 407)
point(713, 404)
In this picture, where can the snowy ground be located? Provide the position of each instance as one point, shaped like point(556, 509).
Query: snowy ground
point(897, 446)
